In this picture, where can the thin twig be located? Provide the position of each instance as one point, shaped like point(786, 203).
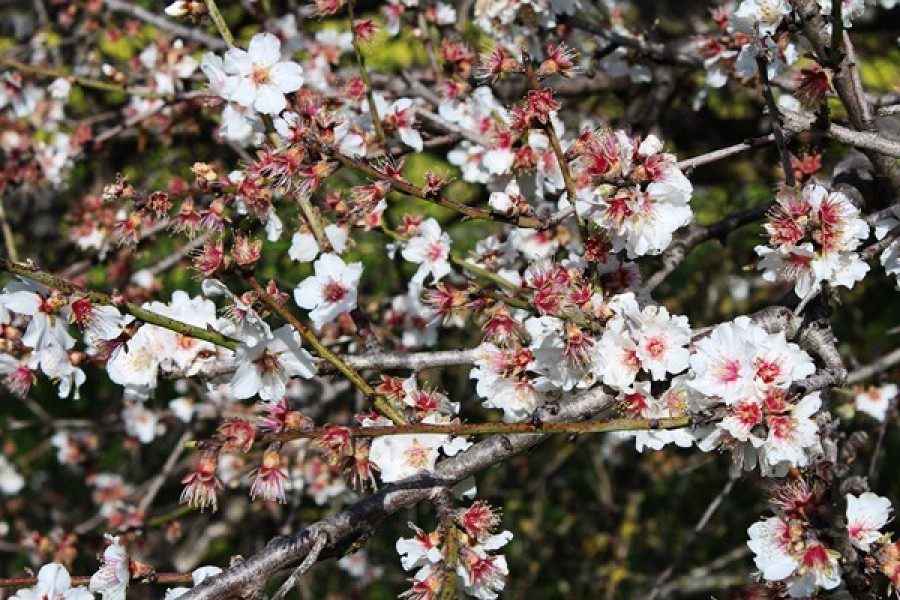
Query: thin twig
point(308, 562)
point(189, 33)
point(216, 15)
point(884, 363)
point(86, 82)
point(692, 537)
point(160, 478)
point(147, 316)
point(762, 66)
point(471, 212)
point(723, 153)
point(879, 443)
point(8, 239)
point(464, 429)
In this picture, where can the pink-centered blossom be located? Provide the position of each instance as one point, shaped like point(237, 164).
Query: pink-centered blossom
point(264, 369)
point(866, 515)
point(255, 77)
point(430, 249)
point(401, 456)
point(331, 291)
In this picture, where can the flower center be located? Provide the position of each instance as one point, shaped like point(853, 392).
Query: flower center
point(260, 75)
point(434, 252)
point(335, 292)
point(417, 456)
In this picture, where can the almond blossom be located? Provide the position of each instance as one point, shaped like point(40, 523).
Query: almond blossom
point(400, 456)
point(633, 191)
point(430, 249)
point(503, 382)
point(784, 551)
point(636, 340)
point(866, 515)
point(264, 369)
point(400, 117)
point(257, 76)
point(331, 291)
point(305, 248)
point(739, 360)
point(47, 325)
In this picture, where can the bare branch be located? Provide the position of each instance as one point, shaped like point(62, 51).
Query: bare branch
point(188, 33)
point(881, 365)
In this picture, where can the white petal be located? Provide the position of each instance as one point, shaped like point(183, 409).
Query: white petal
point(237, 62)
point(287, 76)
point(269, 100)
point(308, 294)
point(240, 90)
point(303, 247)
point(265, 49)
point(337, 237)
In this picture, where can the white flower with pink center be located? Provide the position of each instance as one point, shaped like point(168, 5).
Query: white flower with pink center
point(778, 363)
point(510, 200)
point(741, 420)
point(792, 434)
point(635, 192)
point(400, 456)
point(400, 117)
point(331, 291)
point(639, 402)
point(482, 575)
point(419, 550)
point(264, 369)
point(47, 325)
point(430, 249)
point(616, 355)
point(257, 76)
point(772, 542)
point(723, 362)
point(819, 568)
point(661, 342)
point(866, 515)
point(876, 401)
point(503, 383)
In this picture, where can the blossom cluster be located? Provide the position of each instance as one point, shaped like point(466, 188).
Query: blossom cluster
point(471, 558)
point(813, 238)
point(749, 373)
point(790, 549)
